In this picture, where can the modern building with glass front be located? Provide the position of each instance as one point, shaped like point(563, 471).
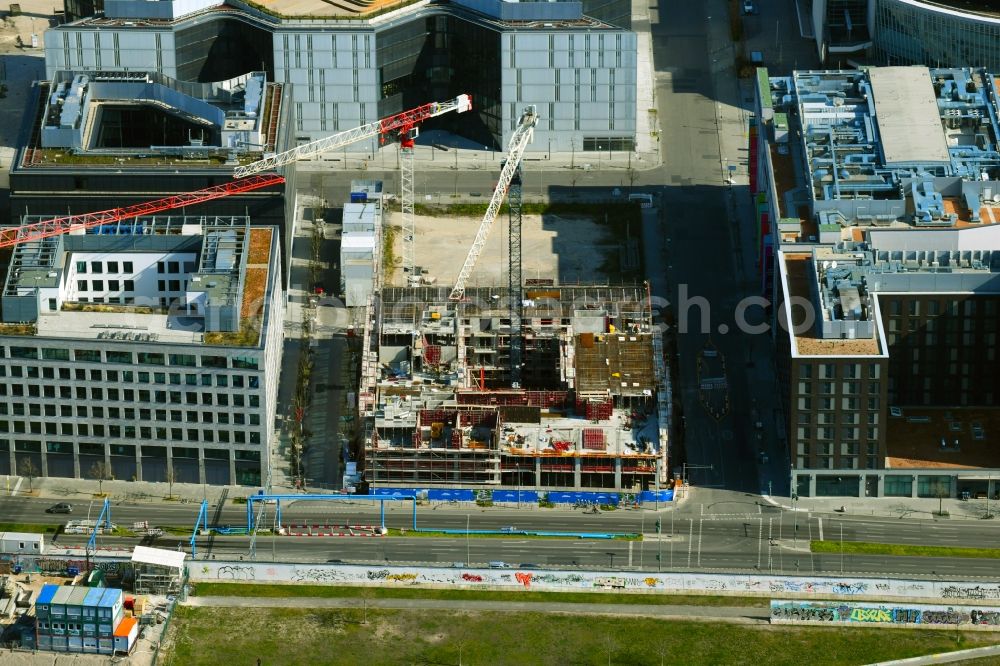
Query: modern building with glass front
point(351, 62)
point(935, 33)
point(144, 347)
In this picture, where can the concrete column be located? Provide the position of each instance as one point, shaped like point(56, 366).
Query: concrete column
point(861, 485)
point(913, 486)
point(76, 461)
point(45, 461)
point(232, 468)
point(201, 466)
point(138, 464)
point(577, 463)
point(538, 472)
point(812, 485)
point(618, 473)
point(881, 485)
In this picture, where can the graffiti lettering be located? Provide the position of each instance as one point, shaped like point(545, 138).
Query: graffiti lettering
point(650, 581)
point(870, 615)
point(523, 579)
point(401, 578)
point(319, 575)
point(381, 574)
point(472, 578)
point(985, 617)
point(237, 572)
point(977, 592)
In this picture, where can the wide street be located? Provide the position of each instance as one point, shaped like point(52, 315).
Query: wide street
point(719, 535)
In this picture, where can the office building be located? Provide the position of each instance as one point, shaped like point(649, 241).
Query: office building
point(351, 62)
point(884, 189)
point(936, 33)
point(145, 346)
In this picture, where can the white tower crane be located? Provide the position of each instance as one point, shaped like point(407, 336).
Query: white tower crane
point(515, 150)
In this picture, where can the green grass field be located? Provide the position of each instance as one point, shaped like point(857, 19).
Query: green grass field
point(280, 636)
point(865, 548)
point(341, 592)
point(30, 528)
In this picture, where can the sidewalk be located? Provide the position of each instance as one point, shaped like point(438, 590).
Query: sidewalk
point(909, 508)
point(736, 614)
point(133, 492)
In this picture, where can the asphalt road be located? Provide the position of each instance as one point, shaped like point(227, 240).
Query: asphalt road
point(742, 536)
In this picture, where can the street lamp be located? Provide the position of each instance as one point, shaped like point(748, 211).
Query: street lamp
point(686, 466)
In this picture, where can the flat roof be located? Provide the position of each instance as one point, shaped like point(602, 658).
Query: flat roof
point(48, 592)
point(121, 325)
point(807, 343)
point(907, 113)
point(165, 558)
point(913, 440)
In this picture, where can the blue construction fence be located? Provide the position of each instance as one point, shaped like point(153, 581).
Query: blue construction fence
point(526, 496)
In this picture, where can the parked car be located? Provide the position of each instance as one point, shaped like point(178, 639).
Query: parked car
point(62, 507)
point(749, 8)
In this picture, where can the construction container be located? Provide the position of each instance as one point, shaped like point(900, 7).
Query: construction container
point(23, 543)
point(125, 635)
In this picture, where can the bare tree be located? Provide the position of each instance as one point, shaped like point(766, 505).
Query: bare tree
point(28, 468)
point(100, 472)
point(171, 477)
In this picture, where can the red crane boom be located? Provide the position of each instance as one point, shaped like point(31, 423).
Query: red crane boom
point(68, 223)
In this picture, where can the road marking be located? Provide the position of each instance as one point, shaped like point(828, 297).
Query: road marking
point(820, 521)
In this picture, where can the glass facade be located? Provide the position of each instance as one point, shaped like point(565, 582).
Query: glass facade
point(907, 34)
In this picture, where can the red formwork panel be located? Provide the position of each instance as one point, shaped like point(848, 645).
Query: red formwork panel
point(593, 438)
point(432, 354)
point(445, 416)
point(456, 439)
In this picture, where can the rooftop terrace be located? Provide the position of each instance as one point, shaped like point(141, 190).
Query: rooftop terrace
point(926, 438)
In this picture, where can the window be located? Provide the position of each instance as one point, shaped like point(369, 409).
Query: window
point(161, 285)
point(113, 285)
point(95, 267)
point(50, 354)
point(127, 267)
point(146, 358)
point(81, 285)
point(81, 267)
point(129, 285)
point(97, 285)
point(161, 267)
point(245, 362)
point(213, 362)
point(174, 285)
point(186, 360)
point(112, 266)
point(118, 357)
point(23, 352)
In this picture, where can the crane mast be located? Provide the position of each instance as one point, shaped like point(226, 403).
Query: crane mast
point(519, 141)
point(401, 122)
point(515, 297)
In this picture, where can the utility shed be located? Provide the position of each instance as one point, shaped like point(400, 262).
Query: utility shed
point(158, 571)
point(23, 543)
point(907, 114)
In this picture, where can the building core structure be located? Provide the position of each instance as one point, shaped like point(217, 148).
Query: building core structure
point(884, 263)
point(591, 412)
point(147, 350)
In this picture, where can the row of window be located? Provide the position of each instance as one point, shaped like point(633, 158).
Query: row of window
point(847, 371)
point(849, 440)
point(832, 418)
point(144, 358)
point(849, 404)
point(831, 388)
point(844, 462)
point(130, 376)
point(129, 414)
point(130, 450)
point(967, 307)
point(205, 399)
point(98, 267)
point(131, 432)
point(113, 285)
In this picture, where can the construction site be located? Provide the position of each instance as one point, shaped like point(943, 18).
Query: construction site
point(437, 393)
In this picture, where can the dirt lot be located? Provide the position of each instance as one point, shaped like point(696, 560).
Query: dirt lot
point(570, 248)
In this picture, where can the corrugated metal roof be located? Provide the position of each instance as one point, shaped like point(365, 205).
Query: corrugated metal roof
point(909, 121)
point(48, 591)
point(77, 596)
point(62, 594)
point(110, 598)
point(164, 558)
point(94, 596)
point(124, 627)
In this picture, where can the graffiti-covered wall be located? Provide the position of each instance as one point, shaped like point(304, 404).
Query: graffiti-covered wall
point(530, 579)
point(858, 613)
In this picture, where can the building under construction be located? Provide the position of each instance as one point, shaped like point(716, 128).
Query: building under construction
point(591, 411)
